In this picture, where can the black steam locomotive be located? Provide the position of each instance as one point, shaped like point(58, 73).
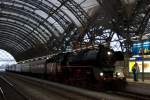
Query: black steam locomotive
point(85, 68)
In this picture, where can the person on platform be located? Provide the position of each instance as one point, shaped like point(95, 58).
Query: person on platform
point(135, 70)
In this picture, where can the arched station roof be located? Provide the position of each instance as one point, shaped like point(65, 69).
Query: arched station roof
point(26, 25)
point(32, 28)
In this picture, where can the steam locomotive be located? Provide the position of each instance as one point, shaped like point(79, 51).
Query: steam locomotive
point(85, 68)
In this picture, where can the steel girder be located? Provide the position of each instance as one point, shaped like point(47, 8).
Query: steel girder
point(11, 44)
point(119, 22)
point(16, 38)
point(11, 38)
point(21, 18)
point(22, 30)
point(38, 6)
point(61, 17)
point(141, 16)
point(9, 48)
point(147, 30)
point(33, 23)
point(137, 22)
point(76, 10)
point(15, 28)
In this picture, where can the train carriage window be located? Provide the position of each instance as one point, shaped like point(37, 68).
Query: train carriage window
point(48, 67)
point(51, 68)
point(59, 68)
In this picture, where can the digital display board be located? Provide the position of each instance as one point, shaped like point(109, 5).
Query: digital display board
point(137, 48)
point(146, 66)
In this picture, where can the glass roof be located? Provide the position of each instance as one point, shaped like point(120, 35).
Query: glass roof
point(37, 22)
point(43, 26)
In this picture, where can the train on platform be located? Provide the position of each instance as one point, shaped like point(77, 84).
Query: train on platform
point(87, 68)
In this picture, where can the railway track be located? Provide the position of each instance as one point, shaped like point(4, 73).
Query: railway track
point(8, 92)
point(3, 97)
point(60, 91)
point(36, 83)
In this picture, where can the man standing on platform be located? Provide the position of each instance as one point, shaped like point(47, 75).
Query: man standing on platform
point(135, 70)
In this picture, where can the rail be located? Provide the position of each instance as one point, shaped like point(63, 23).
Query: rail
point(83, 92)
point(2, 94)
point(109, 95)
point(12, 87)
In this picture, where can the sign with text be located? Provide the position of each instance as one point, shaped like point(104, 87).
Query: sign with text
point(139, 48)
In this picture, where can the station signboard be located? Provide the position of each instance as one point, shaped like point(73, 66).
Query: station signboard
point(137, 48)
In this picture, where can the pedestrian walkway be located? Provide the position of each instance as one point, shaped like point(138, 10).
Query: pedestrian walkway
point(138, 87)
point(146, 81)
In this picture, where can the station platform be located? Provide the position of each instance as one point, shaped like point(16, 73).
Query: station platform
point(138, 87)
point(146, 81)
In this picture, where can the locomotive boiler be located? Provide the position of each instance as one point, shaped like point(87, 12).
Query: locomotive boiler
point(85, 68)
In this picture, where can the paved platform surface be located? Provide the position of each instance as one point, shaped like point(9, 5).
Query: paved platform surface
point(146, 81)
point(139, 87)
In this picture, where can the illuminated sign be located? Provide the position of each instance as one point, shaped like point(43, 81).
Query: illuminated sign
point(146, 65)
point(137, 48)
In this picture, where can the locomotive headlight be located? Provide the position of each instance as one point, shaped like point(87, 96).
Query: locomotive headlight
point(101, 74)
point(118, 74)
point(109, 53)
